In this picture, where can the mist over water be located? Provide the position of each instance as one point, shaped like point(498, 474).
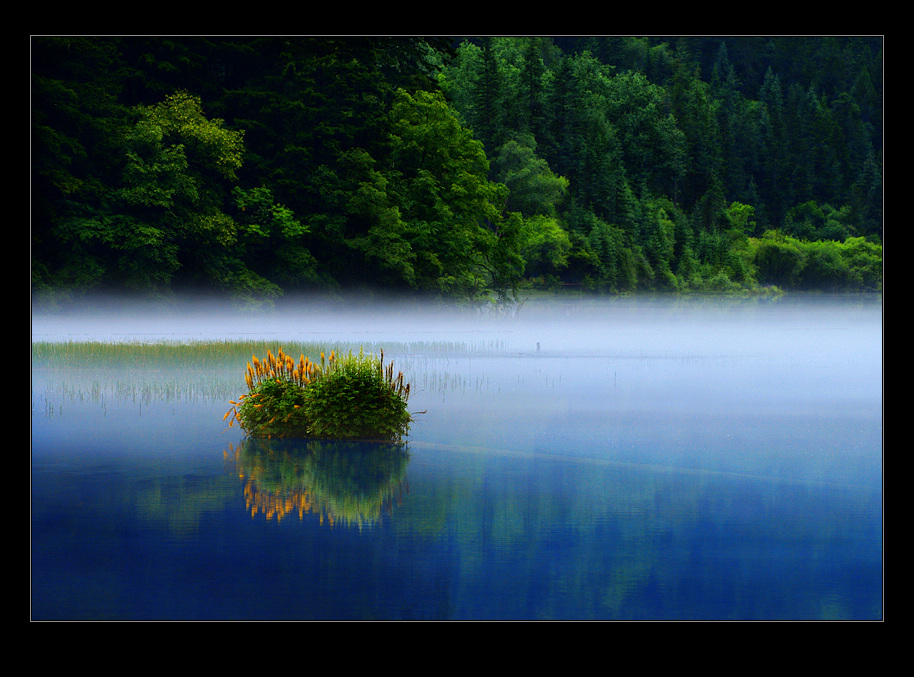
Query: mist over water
point(648, 436)
point(631, 366)
point(636, 325)
point(730, 352)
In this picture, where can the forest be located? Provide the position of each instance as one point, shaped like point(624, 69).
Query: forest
point(465, 169)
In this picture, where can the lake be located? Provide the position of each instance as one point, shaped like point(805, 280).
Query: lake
point(632, 459)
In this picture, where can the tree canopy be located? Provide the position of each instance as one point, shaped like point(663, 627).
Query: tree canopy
point(461, 168)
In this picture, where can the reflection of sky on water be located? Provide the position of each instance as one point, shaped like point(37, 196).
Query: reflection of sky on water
point(654, 461)
point(739, 384)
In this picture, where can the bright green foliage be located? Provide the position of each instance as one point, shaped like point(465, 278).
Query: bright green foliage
point(811, 221)
point(533, 188)
point(345, 397)
point(166, 204)
point(262, 217)
point(169, 217)
point(180, 120)
point(358, 398)
point(634, 122)
point(546, 247)
point(741, 217)
point(462, 242)
point(259, 165)
point(852, 265)
point(176, 161)
point(864, 263)
point(779, 259)
point(615, 262)
point(659, 239)
point(653, 145)
point(273, 408)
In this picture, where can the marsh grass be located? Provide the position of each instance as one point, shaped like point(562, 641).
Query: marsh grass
point(188, 372)
point(206, 354)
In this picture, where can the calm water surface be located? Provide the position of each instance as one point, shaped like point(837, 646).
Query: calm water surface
point(627, 460)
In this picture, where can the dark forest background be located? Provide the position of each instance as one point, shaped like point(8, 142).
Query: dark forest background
point(455, 168)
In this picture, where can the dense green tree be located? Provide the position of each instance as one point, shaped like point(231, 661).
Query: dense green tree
point(487, 96)
point(696, 159)
point(853, 264)
point(168, 219)
point(616, 263)
point(653, 146)
point(659, 237)
point(775, 170)
point(168, 204)
point(531, 93)
point(77, 120)
point(464, 240)
point(811, 221)
point(533, 188)
point(620, 163)
point(780, 259)
point(546, 247)
point(272, 241)
point(866, 199)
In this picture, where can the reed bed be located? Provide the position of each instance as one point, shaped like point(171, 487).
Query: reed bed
point(75, 354)
point(101, 372)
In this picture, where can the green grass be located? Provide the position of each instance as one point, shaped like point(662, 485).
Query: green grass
point(204, 354)
point(100, 373)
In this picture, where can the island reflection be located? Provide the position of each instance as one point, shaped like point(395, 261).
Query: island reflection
point(340, 482)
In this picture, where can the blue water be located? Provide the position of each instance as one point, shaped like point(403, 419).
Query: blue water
point(611, 462)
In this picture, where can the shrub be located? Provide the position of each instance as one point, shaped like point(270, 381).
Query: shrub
point(852, 265)
point(274, 408)
point(358, 398)
point(825, 268)
point(348, 397)
point(864, 262)
point(779, 259)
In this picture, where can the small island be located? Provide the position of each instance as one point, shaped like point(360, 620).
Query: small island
point(345, 397)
